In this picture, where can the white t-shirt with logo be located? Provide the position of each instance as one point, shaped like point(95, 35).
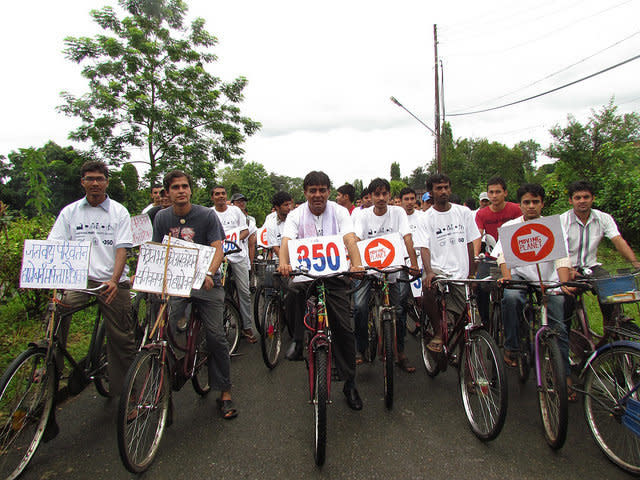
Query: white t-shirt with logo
point(232, 218)
point(369, 225)
point(446, 235)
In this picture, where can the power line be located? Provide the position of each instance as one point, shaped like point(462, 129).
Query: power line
point(548, 91)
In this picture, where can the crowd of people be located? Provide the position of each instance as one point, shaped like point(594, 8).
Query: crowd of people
point(440, 236)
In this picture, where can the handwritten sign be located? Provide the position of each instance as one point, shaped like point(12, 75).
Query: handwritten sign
point(539, 240)
point(181, 269)
point(142, 229)
point(319, 255)
point(205, 257)
point(261, 239)
point(381, 252)
point(55, 264)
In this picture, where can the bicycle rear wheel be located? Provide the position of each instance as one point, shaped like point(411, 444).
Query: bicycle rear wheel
point(320, 400)
point(610, 376)
point(231, 322)
point(524, 352)
point(495, 325)
point(200, 378)
point(271, 339)
point(483, 385)
point(552, 394)
point(100, 362)
point(27, 390)
point(143, 410)
point(429, 358)
point(372, 333)
point(387, 357)
point(259, 301)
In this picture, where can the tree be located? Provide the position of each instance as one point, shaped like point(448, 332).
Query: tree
point(291, 185)
point(149, 87)
point(395, 171)
point(252, 180)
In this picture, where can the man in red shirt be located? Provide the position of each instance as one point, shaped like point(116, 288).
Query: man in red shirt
point(499, 210)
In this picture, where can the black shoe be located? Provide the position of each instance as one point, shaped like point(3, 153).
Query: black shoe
point(294, 353)
point(353, 398)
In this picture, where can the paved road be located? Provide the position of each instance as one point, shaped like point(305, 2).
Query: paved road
point(425, 436)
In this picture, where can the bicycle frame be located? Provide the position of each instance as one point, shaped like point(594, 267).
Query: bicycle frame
point(317, 321)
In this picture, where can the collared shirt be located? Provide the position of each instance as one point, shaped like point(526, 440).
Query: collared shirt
point(108, 228)
point(583, 239)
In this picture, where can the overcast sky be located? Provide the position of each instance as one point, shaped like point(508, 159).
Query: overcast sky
point(320, 75)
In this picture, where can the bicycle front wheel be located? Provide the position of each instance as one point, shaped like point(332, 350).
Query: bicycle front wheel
point(552, 393)
point(200, 378)
point(429, 358)
point(231, 322)
point(320, 400)
point(259, 302)
point(524, 351)
point(100, 362)
point(483, 385)
point(611, 375)
point(271, 339)
point(27, 390)
point(387, 356)
point(372, 334)
point(143, 410)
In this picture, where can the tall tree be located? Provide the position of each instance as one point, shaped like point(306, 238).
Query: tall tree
point(395, 171)
point(149, 87)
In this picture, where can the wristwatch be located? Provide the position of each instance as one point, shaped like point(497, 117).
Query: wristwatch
point(210, 274)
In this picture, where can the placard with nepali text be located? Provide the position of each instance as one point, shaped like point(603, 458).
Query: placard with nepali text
point(205, 257)
point(55, 264)
point(142, 229)
point(181, 269)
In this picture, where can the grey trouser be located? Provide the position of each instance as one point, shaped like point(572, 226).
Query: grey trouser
point(241, 276)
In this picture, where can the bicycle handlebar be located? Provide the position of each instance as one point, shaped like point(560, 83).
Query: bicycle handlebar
point(398, 268)
point(235, 248)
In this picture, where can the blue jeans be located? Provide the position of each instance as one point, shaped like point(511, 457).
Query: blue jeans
point(512, 304)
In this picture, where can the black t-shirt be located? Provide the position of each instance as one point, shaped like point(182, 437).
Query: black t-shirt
point(200, 225)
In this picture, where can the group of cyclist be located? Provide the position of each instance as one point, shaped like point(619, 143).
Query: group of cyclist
point(444, 235)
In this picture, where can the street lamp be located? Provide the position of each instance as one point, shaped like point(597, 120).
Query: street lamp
point(395, 100)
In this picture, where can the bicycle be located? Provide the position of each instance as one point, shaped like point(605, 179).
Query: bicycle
point(29, 387)
point(617, 290)
point(383, 318)
point(538, 346)
point(231, 315)
point(264, 269)
point(612, 402)
point(274, 320)
point(467, 346)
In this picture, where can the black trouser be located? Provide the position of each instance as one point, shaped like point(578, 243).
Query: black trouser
point(340, 321)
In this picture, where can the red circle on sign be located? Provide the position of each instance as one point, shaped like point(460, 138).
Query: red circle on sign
point(263, 236)
point(379, 253)
point(532, 242)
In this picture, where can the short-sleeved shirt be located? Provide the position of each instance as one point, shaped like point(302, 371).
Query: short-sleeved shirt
point(232, 218)
point(490, 221)
point(369, 225)
point(583, 239)
point(344, 222)
point(199, 226)
point(446, 235)
point(107, 227)
point(275, 228)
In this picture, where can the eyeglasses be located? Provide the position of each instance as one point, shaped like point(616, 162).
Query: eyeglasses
point(94, 179)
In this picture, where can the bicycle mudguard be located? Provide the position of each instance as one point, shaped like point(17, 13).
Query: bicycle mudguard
point(604, 348)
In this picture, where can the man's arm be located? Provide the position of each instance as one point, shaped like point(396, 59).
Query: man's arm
point(284, 267)
point(118, 268)
point(471, 252)
point(625, 250)
point(215, 264)
point(350, 241)
point(252, 247)
point(429, 274)
point(408, 243)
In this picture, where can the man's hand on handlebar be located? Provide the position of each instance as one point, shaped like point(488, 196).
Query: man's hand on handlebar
point(284, 269)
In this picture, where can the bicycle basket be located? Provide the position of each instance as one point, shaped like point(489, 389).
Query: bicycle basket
point(617, 289)
point(631, 416)
point(268, 269)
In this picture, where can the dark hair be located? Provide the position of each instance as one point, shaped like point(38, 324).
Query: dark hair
point(580, 186)
point(348, 190)
point(316, 178)
point(155, 185)
point(534, 189)
point(377, 183)
point(407, 191)
point(365, 192)
point(471, 203)
point(279, 198)
point(218, 186)
point(94, 166)
point(418, 202)
point(497, 181)
point(437, 178)
point(454, 198)
point(172, 175)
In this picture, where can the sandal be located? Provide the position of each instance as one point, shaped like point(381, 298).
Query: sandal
point(509, 359)
point(403, 363)
point(227, 411)
point(435, 345)
point(248, 334)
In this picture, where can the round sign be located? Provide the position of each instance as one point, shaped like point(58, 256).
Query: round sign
point(263, 236)
point(379, 253)
point(532, 242)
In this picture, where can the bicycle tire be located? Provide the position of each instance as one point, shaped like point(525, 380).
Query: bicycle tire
point(524, 351)
point(259, 301)
point(231, 322)
point(271, 339)
point(495, 325)
point(372, 334)
point(320, 401)
point(387, 356)
point(143, 410)
point(100, 363)
point(609, 377)
point(141, 313)
point(552, 395)
point(27, 391)
point(200, 378)
point(430, 359)
point(483, 385)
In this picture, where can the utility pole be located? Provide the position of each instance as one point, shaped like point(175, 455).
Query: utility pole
point(437, 109)
point(442, 91)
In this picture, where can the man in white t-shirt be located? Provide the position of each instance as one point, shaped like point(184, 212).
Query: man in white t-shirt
point(106, 224)
point(231, 217)
point(317, 218)
point(446, 233)
point(282, 203)
point(249, 243)
point(382, 219)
